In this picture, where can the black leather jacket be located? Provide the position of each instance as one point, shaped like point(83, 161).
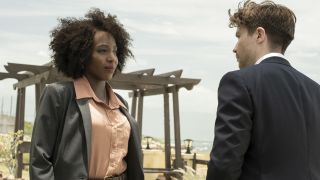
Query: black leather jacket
point(60, 145)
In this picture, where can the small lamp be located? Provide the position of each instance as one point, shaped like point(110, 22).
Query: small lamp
point(188, 144)
point(149, 139)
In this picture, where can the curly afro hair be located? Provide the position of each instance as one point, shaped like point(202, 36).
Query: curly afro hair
point(72, 41)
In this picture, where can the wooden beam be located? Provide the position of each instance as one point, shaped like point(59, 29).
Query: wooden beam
point(120, 81)
point(140, 114)
point(24, 147)
point(167, 144)
point(18, 77)
point(19, 125)
point(134, 104)
point(32, 80)
point(20, 109)
point(162, 90)
point(131, 86)
point(35, 69)
point(166, 171)
point(153, 80)
point(176, 74)
point(46, 77)
point(176, 115)
point(148, 72)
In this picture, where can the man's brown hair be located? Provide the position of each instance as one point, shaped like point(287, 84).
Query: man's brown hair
point(277, 20)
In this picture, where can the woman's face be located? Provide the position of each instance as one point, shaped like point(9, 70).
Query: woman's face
point(104, 58)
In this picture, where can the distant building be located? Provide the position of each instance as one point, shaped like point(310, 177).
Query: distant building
point(6, 124)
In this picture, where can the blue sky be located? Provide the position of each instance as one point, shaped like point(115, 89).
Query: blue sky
point(192, 35)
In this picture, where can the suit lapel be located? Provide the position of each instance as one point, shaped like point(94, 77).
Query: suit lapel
point(86, 118)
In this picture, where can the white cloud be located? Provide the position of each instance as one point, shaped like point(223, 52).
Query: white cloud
point(198, 100)
point(155, 29)
point(44, 54)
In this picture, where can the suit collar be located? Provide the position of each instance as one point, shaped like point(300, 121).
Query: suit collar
point(278, 60)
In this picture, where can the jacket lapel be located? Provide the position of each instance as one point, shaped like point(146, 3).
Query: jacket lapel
point(134, 142)
point(83, 105)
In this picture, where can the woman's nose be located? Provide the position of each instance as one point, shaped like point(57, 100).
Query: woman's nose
point(112, 57)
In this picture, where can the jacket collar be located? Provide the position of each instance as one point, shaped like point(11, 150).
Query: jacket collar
point(275, 59)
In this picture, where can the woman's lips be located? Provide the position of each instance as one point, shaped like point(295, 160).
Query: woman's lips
point(109, 67)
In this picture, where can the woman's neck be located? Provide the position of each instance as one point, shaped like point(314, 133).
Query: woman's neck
point(99, 88)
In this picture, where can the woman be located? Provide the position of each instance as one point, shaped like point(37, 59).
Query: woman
point(83, 129)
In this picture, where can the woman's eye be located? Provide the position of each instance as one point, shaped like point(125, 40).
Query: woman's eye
point(102, 50)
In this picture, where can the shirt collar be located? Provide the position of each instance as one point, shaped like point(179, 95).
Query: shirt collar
point(84, 90)
point(269, 55)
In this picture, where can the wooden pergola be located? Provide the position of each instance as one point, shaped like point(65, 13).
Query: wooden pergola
point(141, 83)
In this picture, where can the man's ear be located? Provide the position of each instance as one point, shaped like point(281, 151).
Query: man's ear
point(261, 35)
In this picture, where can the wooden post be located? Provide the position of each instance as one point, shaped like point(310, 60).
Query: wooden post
point(19, 109)
point(134, 104)
point(167, 146)
point(175, 97)
point(19, 125)
point(194, 162)
point(140, 113)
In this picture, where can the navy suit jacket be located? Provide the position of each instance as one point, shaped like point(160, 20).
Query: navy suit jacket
point(61, 139)
point(267, 125)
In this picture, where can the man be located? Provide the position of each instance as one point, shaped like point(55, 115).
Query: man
point(268, 116)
